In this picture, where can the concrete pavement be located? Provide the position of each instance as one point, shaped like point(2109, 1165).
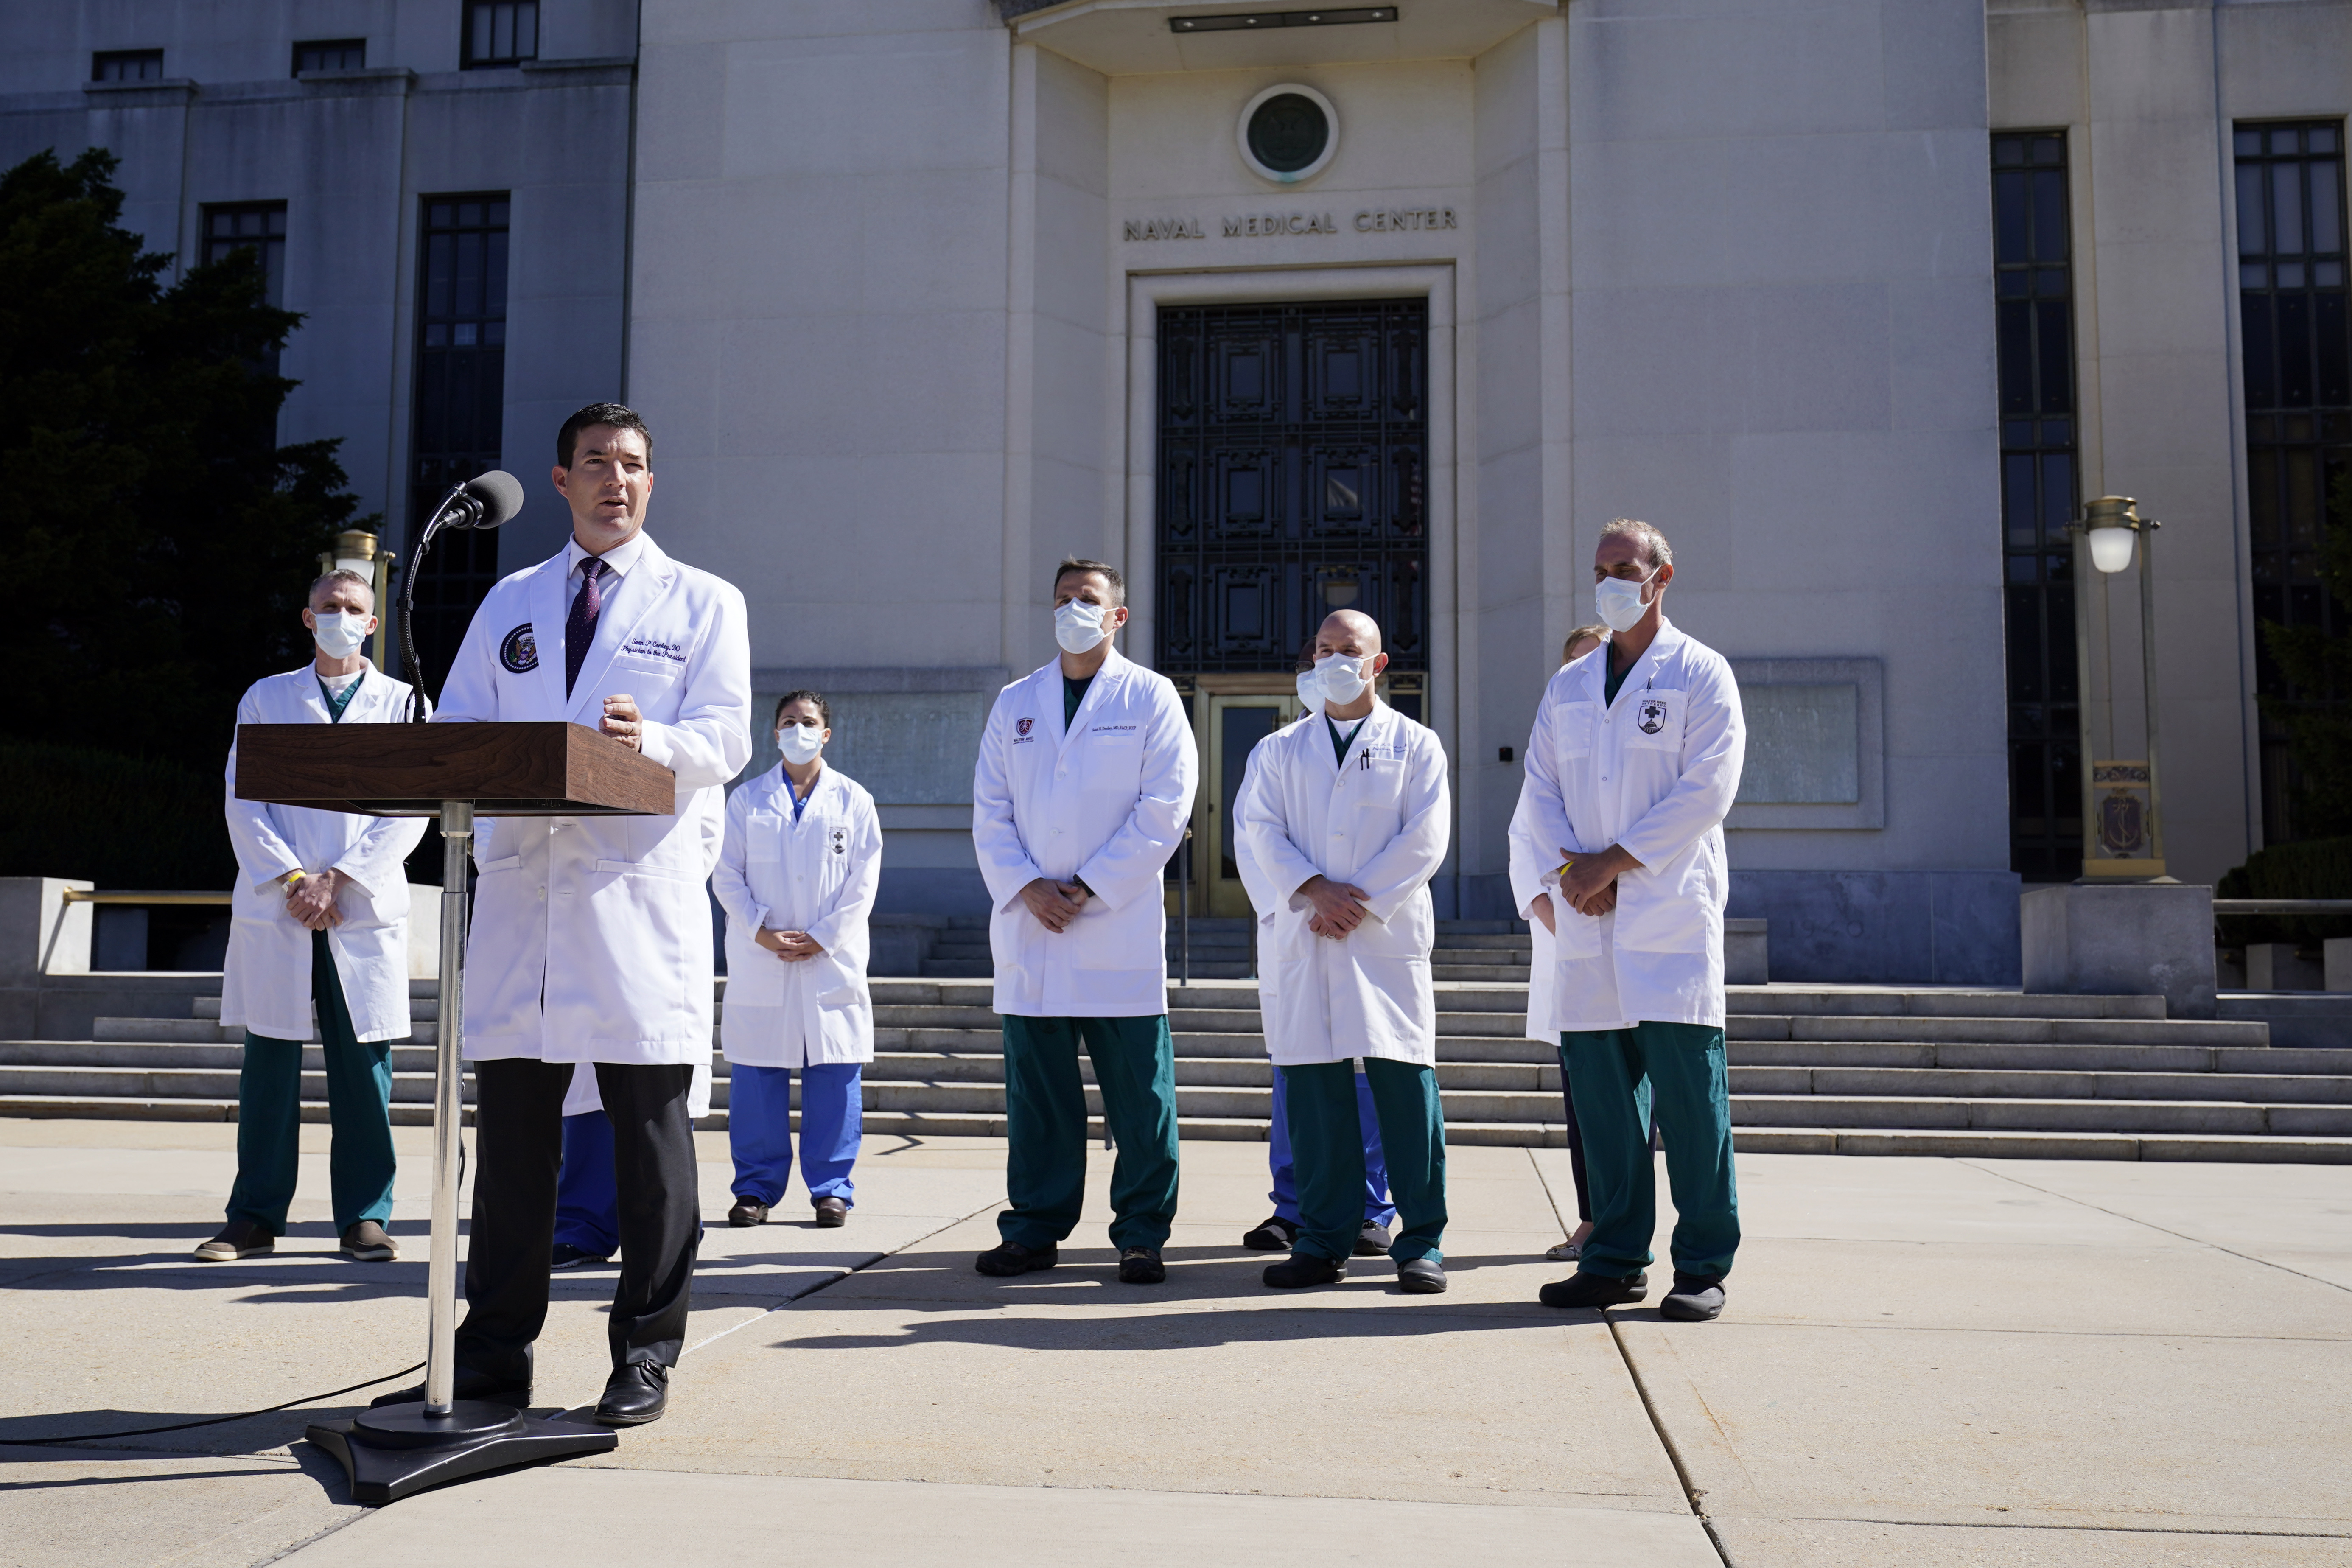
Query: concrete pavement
point(1925, 1362)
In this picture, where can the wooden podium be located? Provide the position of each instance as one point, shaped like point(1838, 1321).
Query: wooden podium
point(452, 771)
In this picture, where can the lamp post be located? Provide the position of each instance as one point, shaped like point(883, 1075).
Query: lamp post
point(355, 550)
point(2123, 828)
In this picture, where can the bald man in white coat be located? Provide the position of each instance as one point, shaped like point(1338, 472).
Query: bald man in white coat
point(1349, 818)
point(591, 939)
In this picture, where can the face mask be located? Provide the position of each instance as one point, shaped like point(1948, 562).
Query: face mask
point(1620, 603)
point(799, 743)
point(1310, 691)
point(339, 635)
point(1339, 679)
point(1079, 625)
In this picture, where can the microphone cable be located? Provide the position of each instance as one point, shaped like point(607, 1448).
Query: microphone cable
point(207, 1421)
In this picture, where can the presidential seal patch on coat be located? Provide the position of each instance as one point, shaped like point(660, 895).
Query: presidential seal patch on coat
point(520, 650)
point(1652, 716)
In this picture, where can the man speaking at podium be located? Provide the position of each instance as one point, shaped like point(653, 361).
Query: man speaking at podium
point(592, 936)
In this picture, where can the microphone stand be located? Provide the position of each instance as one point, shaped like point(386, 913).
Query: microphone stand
point(456, 504)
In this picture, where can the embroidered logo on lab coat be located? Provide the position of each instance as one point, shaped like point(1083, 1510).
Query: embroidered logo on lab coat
point(841, 841)
point(1024, 726)
point(1653, 716)
point(519, 651)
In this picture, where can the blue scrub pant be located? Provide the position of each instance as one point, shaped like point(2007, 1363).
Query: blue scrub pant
point(759, 1129)
point(587, 1192)
point(1378, 1210)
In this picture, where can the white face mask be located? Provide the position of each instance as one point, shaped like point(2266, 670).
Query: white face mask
point(1079, 625)
point(341, 634)
point(1310, 691)
point(1340, 679)
point(1620, 603)
point(799, 743)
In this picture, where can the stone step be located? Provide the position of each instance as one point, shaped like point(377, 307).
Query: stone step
point(205, 1031)
point(424, 1009)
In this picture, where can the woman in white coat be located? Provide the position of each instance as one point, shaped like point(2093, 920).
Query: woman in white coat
point(798, 869)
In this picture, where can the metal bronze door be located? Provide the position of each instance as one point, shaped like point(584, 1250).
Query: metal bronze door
point(1235, 725)
point(1293, 446)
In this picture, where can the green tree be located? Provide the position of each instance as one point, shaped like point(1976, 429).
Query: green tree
point(2317, 664)
point(158, 540)
point(158, 537)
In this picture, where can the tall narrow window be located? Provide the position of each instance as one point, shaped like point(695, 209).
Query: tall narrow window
point(258, 226)
point(2034, 309)
point(127, 65)
point(331, 55)
point(2291, 292)
point(461, 334)
point(501, 32)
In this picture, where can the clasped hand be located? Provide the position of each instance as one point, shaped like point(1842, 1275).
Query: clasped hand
point(623, 722)
point(792, 946)
point(1339, 907)
point(311, 901)
point(1055, 904)
point(1588, 884)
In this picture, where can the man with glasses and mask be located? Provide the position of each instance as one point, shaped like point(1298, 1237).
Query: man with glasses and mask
point(1617, 852)
point(1081, 794)
point(1348, 821)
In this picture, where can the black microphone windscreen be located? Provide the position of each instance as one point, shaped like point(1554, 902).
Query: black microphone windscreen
point(500, 495)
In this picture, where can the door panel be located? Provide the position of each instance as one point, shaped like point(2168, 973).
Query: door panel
point(1235, 725)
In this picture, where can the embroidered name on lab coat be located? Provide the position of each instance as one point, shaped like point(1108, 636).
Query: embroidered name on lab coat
point(646, 647)
point(1113, 729)
point(519, 651)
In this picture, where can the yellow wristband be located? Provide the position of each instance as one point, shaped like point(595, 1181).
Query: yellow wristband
point(294, 876)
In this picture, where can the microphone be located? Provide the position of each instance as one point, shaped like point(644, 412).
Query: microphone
point(485, 500)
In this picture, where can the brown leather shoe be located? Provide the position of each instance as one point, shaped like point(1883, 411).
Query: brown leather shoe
point(747, 1212)
point(831, 1212)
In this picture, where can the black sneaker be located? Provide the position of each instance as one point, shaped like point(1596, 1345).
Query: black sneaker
point(1304, 1269)
point(1421, 1276)
point(566, 1255)
point(1274, 1235)
point(237, 1238)
point(1372, 1241)
point(1584, 1290)
point(1142, 1265)
point(1011, 1258)
point(1696, 1299)
point(367, 1243)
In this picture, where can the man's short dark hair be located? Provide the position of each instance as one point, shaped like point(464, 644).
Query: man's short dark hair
point(823, 709)
point(1082, 566)
point(613, 414)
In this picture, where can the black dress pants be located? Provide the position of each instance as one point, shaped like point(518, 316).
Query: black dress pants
point(519, 1145)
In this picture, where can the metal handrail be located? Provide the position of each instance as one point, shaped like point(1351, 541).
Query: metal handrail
point(2282, 906)
point(80, 896)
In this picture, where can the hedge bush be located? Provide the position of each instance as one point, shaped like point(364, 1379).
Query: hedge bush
point(118, 820)
point(2315, 868)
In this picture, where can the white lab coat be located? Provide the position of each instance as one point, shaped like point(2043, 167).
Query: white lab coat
point(605, 918)
point(1654, 772)
point(1381, 820)
point(1105, 803)
point(266, 983)
point(817, 875)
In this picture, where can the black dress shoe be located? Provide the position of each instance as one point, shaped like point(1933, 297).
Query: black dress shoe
point(1142, 1265)
point(1584, 1290)
point(832, 1213)
point(746, 1212)
point(468, 1385)
point(566, 1255)
point(1303, 1269)
point(634, 1395)
point(1421, 1276)
point(1009, 1257)
point(1372, 1241)
point(1274, 1235)
point(1696, 1299)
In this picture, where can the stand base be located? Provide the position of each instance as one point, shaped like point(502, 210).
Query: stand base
point(396, 1450)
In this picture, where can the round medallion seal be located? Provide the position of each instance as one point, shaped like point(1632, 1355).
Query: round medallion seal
point(519, 651)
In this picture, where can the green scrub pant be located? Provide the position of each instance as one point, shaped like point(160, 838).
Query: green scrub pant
point(359, 1113)
point(1616, 1075)
point(1327, 1155)
point(1045, 1127)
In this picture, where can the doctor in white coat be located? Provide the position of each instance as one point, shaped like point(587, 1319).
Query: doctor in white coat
point(798, 873)
point(1350, 820)
point(1083, 786)
point(1617, 852)
point(1279, 1231)
point(591, 937)
point(319, 918)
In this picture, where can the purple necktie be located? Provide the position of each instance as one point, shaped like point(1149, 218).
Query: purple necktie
point(579, 627)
